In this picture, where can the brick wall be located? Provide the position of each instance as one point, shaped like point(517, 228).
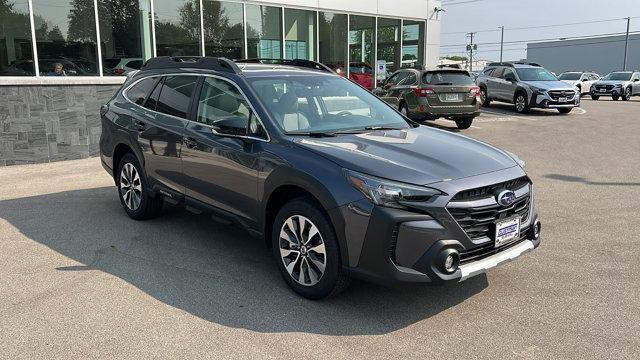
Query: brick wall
point(46, 123)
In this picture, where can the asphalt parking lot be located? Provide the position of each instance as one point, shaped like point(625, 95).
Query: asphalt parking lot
point(79, 279)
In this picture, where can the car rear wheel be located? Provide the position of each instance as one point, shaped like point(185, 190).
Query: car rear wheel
point(627, 94)
point(133, 190)
point(521, 103)
point(484, 99)
point(565, 110)
point(464, 123)
point(306, 249)
point(595, 97)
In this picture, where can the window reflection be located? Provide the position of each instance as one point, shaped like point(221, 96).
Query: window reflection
point(125, 35)
point(361, 50)
point(413, 43)
point(300, 34)
point(388, 48)
point(177, 27)
point(333, 47)
point(223, 29)
point(16, 55)
point(66, 37)
point(264, 32)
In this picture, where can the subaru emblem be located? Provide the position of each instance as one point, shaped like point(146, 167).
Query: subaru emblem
point(506, 197)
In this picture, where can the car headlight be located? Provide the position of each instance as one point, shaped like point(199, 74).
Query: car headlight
point(536, 90)
point(389, 193)
point(618, 85)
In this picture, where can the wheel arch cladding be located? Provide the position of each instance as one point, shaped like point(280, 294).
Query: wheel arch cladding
point(118, 153)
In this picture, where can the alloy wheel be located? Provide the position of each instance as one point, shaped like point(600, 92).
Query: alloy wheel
point(483, 96)
point(302, 250)
point(520, 103)
point(130, 186)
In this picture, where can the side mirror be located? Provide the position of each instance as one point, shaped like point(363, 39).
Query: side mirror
point(583, 80)
point(230, 126)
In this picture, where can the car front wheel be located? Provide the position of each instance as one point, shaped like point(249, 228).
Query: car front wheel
point(306, 249)
point(521, 103)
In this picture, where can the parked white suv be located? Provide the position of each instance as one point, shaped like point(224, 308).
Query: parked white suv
point(581, 80)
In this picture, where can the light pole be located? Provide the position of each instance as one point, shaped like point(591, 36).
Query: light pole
point(626, 45)
point(501, 41)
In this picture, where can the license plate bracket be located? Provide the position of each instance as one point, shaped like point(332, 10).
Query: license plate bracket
point(450, 97)
point(507, 231)
point(562, 99)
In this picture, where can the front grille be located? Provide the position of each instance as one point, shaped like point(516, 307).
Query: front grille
point(483, 192)
point(556, 94)
point(608, 87)
point(479, 221)
point(489, 249)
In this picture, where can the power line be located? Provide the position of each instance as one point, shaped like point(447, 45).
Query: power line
point(546, 26)
point(538, 40)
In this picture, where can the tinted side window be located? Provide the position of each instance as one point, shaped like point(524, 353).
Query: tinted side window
point(497, 72)
point(394, 79)
point(220, 100)
point(175, 95)
point(139, 92)
point(411, 79)
point(152, 100)
point(508, 73)
point(487, 72)
point(135, 64)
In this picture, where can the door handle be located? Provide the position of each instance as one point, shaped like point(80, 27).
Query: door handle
point(191, 143)
point(141, 126)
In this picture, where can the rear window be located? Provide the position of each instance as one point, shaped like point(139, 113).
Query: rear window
point(570, 76)
point(135, 64)
point(176, 94)
point(110, 63)
point(447, 78)
point(139, 92)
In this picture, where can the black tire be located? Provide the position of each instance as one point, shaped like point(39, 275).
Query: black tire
point(521, 107)
point(333, 280)
point(484, 97)
point(615, 97)
point(627, 94)
point(464, 123)
point(595, 97)
point(149, 206)
point(565, 110)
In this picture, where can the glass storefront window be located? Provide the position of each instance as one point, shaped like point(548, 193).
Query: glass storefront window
point(361, 50)
point(388, 48)
point(223, 29)
point(125, 35)
point(66, 37)
point(16, 52)
point(264, 32)
point(177, 27)
point(333, 45)
point(300, 34)
point(413, 43)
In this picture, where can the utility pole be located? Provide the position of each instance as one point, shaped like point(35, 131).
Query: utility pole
point(501, 41)
point(626, 45)
point(470, 47)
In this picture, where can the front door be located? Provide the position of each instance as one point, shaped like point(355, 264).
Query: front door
point(221, 164)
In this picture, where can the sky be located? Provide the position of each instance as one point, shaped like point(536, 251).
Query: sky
point(486, 16)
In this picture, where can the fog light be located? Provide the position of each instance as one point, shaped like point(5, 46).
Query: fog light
point(545, 103)
point(448, 261)
point(536, 229)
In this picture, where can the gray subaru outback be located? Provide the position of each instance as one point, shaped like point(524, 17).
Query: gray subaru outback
point(526, 86)
point(337, 182)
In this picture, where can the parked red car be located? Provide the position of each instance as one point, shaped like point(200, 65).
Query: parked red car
point(359, 72)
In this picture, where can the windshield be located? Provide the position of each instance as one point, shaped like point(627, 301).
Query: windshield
point(447, 78)
point(570, 76)
point(618, 76)
point(305, 104)
point(535, 74)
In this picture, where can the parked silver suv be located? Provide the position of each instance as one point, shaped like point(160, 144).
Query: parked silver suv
point(618, 84)
point(526, 86)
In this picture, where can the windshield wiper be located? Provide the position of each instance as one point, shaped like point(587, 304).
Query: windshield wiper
point(380, 128)
point(444, 83)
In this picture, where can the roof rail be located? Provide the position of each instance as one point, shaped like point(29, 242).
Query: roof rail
point(499, 64)
point(194, 62)
point(288, 62)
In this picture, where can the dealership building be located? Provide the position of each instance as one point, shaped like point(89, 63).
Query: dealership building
point(600, 54)
point(60, 60)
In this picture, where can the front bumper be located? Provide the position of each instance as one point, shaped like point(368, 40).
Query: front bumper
point(545, 101)
point(400, 246)
point(612, 92)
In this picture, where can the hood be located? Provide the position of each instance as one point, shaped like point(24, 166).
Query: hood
point(417, 156)
point(571, 82)
point(550, 85)
point(610, 82)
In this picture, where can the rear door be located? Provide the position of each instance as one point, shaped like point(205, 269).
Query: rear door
point(452, 88)
point(221, 167)
point(493, 83)
point(635, 83)
point(160, 126)
point(404, 89)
